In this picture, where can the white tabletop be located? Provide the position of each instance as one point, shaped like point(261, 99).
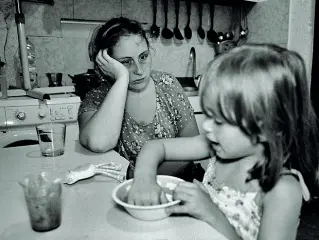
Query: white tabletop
point(88, 210)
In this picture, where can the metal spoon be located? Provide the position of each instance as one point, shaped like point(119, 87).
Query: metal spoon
point(187, 29)
point(154, 30)
point(177, 32)
point(243, 27)
point(230, 34)
point(200, 30)
point(211, 34)
point(166, 32)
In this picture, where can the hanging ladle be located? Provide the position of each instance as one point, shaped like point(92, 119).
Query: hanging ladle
point(187, 29)
point(230, 34)
point(243, 34)
point(211, 34)
point(177, 32)
point(200, 30)
point(155, 30)
point(166, 32)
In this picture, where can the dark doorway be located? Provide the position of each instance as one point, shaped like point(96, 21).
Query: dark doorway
point(315, 64)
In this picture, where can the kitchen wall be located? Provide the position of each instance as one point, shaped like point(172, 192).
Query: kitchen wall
point(301, 30)
point(63, 47)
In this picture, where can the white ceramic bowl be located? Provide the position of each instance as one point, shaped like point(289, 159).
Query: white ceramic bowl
point(147, 213)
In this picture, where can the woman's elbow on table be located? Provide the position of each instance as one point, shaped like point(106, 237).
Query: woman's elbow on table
point(97, 145)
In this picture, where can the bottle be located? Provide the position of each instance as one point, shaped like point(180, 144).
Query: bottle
point(33, 71)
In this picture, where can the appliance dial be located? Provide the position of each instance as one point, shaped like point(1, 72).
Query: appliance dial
point(21, 115)
point(42, 113)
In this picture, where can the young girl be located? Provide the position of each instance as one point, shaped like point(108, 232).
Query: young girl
point(262, 132)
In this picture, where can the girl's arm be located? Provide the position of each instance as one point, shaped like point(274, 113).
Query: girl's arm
point(173, 149)
point(281, 210)
point(198, 203)
point(145, 190)
point(100, 130)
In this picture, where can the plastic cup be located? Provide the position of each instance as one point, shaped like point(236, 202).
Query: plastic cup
point(43, 197)
point(51, 139)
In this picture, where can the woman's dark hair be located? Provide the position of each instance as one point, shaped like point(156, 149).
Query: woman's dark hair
point(107, 35)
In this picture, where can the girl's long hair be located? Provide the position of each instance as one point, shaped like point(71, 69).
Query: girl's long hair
point(262, 88)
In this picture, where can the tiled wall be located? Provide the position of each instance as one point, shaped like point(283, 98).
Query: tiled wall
point(61, 49)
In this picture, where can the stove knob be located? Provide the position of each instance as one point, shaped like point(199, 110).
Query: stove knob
point(42, 113)
point(21, 115)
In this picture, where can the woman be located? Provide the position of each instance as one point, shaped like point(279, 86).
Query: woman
point(133, 104)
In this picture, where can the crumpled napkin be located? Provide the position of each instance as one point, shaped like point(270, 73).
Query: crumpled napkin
point(111, 169)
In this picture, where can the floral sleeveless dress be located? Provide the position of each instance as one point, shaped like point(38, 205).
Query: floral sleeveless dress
point(242, 209)
point(173, 113)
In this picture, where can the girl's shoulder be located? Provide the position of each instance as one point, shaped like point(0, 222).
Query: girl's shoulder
point(287, 190)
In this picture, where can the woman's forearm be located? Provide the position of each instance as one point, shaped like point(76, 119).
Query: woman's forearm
point(101, 132)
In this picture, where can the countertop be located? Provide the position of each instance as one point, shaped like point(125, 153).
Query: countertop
point(88, 210)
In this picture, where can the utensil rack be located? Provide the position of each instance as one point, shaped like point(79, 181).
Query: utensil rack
point(227, 2)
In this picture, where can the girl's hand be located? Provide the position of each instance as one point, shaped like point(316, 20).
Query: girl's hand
point(146, 193)
point(110, 66)
point(195, 201)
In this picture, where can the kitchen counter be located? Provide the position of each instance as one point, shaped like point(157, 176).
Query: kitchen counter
point(88, 210)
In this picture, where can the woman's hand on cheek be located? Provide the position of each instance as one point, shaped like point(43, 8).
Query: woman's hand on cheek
point(110, 66)
point(195, 201)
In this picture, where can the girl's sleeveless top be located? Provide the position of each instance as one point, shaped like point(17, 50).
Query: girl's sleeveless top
point(241, 208)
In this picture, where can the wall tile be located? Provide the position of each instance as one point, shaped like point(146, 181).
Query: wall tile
point(44, 20)
point(269, 21)
point(139, 10)
point(49, 57)
point(64, 49)
point(166, 58)
point(97, 9)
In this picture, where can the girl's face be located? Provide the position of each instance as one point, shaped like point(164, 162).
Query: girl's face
point(132, 51)
point(229, 141)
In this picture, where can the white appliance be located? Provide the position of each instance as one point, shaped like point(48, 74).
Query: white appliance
point(19, 116)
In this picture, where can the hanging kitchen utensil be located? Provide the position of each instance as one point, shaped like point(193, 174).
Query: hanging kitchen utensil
point(166, 32)
point(211, 34)
point(220, 37)
point(177, 32)
point(230, 34)
point(200, 30)
point(154, 30)
point(187, 29)
point(243, 24)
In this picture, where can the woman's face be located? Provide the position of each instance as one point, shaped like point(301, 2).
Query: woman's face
point(132, 51)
